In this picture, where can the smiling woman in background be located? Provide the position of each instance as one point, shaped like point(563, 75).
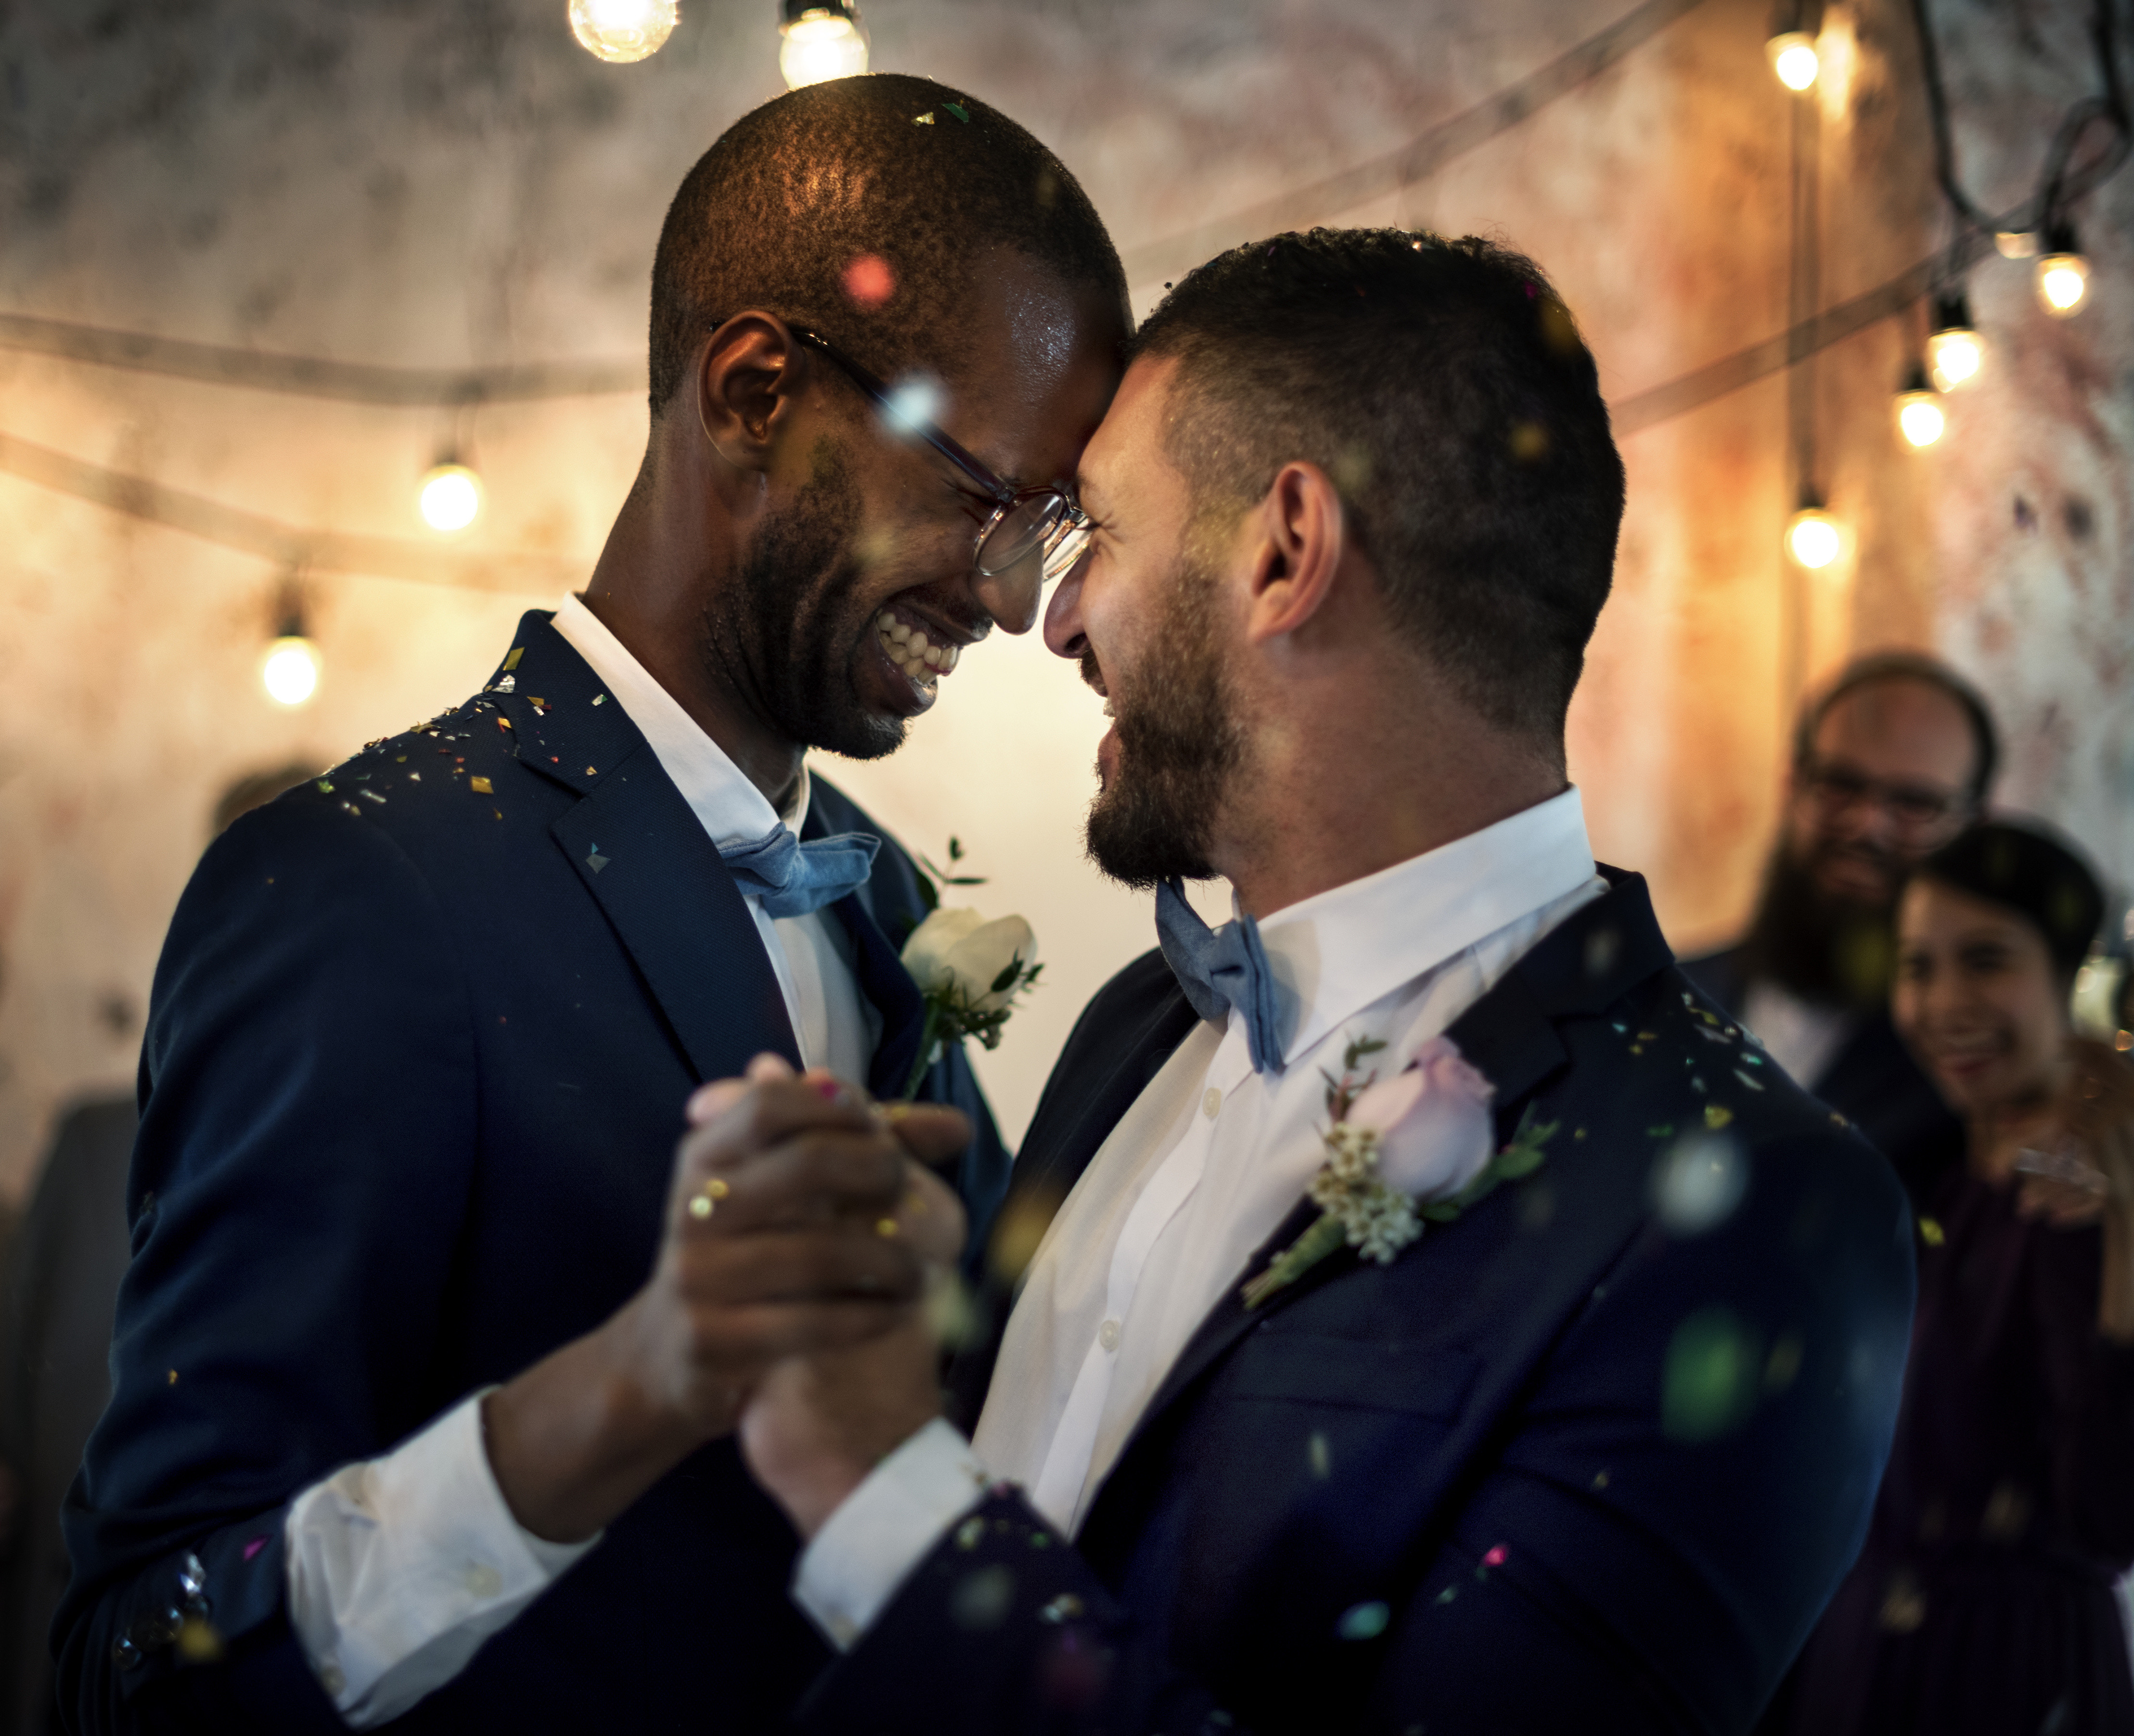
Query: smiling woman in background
point(1983, 1601)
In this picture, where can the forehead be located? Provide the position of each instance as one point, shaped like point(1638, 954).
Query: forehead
point(1128, 460)
point(1935, 911)
point(1899, 728)
point(1030, 340)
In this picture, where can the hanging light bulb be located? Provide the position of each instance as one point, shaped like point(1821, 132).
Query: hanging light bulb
point(1955, 352)
point(1794, 59)
point(1920, 418)
point(622, 31)
point(2063, 273)
point(449, 496)
point(290, 669)
point(1812, 537)
point(823, 40)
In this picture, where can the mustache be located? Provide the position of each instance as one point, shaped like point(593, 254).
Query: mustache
point(1091, 675)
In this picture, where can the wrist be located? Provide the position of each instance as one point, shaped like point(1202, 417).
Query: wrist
point(574, 1440)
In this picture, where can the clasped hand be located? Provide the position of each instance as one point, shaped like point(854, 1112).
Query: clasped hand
point(805, 1271)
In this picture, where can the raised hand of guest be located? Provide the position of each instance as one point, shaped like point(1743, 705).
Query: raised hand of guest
point(774, 1247)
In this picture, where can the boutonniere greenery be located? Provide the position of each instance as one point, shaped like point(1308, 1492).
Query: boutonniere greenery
point(968, 970)
point(1417, 1147)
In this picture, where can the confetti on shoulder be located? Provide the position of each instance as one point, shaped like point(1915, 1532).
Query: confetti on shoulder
point(923, 120)
point(480, 786)
point(600, 699)
point(958, 110)
point(511, 661)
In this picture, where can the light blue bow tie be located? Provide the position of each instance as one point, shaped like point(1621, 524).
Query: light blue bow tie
point(791, 878)
point(1220, 968)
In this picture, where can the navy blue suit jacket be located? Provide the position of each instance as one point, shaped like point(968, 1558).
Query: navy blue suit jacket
point(1558, 1467)
point(421, 1039)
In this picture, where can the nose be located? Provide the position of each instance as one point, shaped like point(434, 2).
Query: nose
point(1010, 597)
point(1064, 636)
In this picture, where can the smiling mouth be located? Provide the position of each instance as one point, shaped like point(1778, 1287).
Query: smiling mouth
point(909, 645)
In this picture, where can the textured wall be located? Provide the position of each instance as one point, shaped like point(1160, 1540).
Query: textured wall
point(455, 183)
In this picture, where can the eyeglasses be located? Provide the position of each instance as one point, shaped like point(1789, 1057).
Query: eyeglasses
point(1045, 522)
point(1919, 809)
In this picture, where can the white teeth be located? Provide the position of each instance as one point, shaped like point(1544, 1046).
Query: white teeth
point(918, 643)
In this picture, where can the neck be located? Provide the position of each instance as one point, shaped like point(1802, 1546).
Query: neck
point(664, 560)
point(1340, 788)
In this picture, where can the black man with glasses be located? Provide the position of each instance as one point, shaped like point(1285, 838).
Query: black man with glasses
point(429, 1355)
point(1891, 761)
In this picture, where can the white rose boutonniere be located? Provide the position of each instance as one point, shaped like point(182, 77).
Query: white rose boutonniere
point(969, 969)
point(1414, 1148)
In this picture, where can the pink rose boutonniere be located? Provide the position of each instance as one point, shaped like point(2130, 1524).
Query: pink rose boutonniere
point(1418, 1146)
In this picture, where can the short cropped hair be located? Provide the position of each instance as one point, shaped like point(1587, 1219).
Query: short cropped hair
point(1444, 388)
point(1870, 671)
point(862, 206)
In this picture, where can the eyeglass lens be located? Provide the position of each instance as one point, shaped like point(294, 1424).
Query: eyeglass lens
point(1041, 523)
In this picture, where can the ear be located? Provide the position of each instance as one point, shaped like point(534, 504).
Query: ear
point(1303, 534)
point(747, 381)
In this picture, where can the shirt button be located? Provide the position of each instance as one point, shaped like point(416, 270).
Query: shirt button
point(1211, 1105)
point(1107, 1335)
point(483, 1580)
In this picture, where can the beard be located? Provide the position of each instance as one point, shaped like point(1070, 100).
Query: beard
point(1830, 950)
point(1180, 745)
point(790, 632)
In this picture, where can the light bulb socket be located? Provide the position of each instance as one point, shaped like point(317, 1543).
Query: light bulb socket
point(292, 620)
point(2061, 237)
point(794, 11)
point(1952, 313)
point(1915, 380)
point(1802, 17)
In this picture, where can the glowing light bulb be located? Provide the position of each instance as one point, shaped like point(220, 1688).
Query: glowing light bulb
point(822, 42)
point(622, 31)
point(290, 671)
point(1955, 352)
point(1921, 421)
point(449, 497)
point(1812, 538)
point(1919, 418)
point(2063, 281)
point(1794, 58)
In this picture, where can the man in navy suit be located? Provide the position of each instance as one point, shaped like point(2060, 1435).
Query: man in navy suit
point(428, 1358)
point(1590, 1452)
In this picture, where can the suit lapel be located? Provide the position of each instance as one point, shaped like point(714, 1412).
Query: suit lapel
point(1595, 957)
point(884, 981)
point(641, 853)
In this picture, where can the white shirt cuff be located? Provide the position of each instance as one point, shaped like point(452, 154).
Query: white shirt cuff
point(884, 1529)
point(401, 1567)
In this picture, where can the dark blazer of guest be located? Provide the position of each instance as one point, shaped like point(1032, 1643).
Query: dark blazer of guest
point(1592, 1456)
point(1872, 1080)
point(420, 1040)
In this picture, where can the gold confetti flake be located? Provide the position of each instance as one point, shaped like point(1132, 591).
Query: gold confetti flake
point(480, 786)
point(1716, 1116)
point(511, 661)
point(591, 772)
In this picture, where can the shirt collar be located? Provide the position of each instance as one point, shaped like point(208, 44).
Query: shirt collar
point(730, 808)
point(1335, 954)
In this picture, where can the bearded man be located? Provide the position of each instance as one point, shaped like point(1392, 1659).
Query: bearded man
point(401, 1431)
point(1890, 762)
point(1592, 1448)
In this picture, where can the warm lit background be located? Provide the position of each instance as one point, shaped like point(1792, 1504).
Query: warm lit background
point(456, 185)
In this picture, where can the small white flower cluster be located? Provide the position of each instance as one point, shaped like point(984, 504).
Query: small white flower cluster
point(1377, 1221)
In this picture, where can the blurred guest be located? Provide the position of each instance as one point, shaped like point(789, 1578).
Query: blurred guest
point(1984, 1599)
point(1893, 760)
point(54, 1347)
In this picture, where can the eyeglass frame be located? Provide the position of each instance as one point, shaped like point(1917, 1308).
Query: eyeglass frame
point(1070, 530)
point(1836, 787)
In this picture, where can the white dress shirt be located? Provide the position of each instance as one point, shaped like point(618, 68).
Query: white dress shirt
point(1201, 1169)
point(400, 1567)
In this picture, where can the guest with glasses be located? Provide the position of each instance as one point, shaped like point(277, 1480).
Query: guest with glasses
point(1984, 1601)
point(1890, 762)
